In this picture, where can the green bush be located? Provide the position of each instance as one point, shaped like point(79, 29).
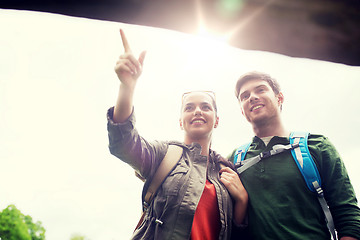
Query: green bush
point(16, 226)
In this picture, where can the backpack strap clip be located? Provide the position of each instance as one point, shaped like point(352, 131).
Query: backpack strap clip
point(265, 154)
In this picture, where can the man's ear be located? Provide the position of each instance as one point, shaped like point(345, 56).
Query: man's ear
point(280, 98)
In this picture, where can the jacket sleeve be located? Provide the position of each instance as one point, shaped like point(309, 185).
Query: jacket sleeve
point(338, 190)
point(126, 144)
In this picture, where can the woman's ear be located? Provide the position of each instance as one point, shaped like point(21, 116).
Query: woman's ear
point(216, 122)
point(181, 124)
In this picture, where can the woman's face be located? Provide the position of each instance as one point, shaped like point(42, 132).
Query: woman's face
point(198, 115)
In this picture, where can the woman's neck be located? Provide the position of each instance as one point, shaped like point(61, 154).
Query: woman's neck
point(204, 143)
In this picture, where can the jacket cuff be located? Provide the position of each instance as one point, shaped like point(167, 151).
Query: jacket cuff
point(122, 128)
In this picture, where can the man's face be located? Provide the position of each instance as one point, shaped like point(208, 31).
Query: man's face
point(258, 102)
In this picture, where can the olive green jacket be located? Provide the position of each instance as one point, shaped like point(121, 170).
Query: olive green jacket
point(170, 214)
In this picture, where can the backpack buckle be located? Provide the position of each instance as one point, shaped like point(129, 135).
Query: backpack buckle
point(265, 155)
point(295, 145)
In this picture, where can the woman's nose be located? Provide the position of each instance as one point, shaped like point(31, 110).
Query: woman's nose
point(197, 111)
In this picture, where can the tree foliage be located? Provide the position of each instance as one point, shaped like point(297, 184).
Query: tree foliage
point(16, 226)
point(77, 236)
point(36, 230)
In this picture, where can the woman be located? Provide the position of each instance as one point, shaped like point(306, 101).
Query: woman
point(192, 203)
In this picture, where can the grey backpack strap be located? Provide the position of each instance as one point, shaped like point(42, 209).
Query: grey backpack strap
point(170, 160)
point(245, 164)
point(328, 217)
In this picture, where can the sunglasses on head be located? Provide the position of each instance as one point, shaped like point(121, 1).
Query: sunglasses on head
point(210, 93)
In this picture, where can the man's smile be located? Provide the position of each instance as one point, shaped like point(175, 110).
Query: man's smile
point(256, 107)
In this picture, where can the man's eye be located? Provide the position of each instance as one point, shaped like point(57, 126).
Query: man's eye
point(244, 97)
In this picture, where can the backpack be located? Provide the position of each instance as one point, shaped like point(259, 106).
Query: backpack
point(300, 152)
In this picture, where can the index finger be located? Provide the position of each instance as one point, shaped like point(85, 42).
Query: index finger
point(124, 41)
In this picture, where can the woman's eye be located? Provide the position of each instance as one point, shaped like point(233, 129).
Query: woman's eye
point(188, 108)
point(206, 107)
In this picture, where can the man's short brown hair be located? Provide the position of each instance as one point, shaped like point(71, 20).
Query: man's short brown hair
point(256, 75)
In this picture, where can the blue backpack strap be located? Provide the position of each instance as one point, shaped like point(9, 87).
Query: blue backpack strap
point(304, 160)
point(311, 174)
point(241, 151)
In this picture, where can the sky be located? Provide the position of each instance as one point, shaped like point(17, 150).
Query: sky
point(57, 81)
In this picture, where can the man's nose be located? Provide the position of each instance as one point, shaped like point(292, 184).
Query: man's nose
point(253, 97)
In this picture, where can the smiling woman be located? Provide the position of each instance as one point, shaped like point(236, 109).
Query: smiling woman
point(205, 175)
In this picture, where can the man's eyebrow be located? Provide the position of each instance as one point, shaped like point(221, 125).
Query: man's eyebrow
point(242, 93)
point(257, 87)
point(262, 85)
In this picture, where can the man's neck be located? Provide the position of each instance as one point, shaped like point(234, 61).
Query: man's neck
point(270, 129)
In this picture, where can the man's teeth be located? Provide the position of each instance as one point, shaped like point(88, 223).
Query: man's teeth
point(257, 107)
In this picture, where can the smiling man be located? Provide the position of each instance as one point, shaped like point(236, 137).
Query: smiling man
point(281, 206)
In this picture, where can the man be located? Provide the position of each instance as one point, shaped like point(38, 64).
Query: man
point(280, 204)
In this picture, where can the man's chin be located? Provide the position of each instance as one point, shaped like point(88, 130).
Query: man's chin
point(258, 120)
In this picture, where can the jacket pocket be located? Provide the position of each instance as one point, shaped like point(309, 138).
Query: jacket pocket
point(175, 180)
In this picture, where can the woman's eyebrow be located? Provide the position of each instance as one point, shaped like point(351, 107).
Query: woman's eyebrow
point(189, 104)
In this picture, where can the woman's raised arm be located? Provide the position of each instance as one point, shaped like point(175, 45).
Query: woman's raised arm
point(128, 70)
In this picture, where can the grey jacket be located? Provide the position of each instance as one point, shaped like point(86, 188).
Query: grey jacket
point(170, 215)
